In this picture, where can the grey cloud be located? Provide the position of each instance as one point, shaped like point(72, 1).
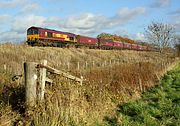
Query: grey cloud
point(4, 18)
point(5, 21)
point(20, 24)
point(175, 12)
point(90, 23)
point(11, 36)
point(177, 23)
point(125, 15)
point(140, 36)
point(86, 23)
point(11, 3)
point(160, 3)
point(177, 26)
point(174, 19)
point(29, 8)
point(175, 15)
point(126, 12)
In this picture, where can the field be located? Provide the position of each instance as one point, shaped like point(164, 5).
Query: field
point(158, 106)
point(111, 77)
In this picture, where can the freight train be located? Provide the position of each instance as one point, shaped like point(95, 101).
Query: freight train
point(37, 36)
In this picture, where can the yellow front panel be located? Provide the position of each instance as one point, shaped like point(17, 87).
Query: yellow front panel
point(32, 37)
point(67, 38)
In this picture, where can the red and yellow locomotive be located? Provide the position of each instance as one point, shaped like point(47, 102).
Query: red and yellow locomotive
point(42, 36)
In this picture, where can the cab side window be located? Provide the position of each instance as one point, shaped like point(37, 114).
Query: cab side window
point(49, 34)
point(71, 38)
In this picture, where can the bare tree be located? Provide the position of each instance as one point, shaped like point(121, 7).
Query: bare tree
point(160, 34)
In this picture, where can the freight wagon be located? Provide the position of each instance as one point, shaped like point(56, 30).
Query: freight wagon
point(87, 41)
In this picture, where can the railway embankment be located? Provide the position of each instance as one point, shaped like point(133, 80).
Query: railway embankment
point(111, 77)
point(159, 105)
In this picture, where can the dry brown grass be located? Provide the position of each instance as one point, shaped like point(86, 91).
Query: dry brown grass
point(115, 77)
point(14, 56)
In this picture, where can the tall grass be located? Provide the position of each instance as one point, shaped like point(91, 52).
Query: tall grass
point(104, 86)
point(13, 56)
point(158, 106)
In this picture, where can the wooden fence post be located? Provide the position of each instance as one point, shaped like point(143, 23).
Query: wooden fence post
point(102, 64)
point(5, 68)
point(68, 65)
point(105, 63)
point(93, 64)
point(77, 65)
point(140, 85)
point(86, 64)
point(30, 74)
point(42, 79)
point(114, 61)
point(110, 62)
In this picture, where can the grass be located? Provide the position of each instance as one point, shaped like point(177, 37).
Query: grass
point(13, 56)
point(67, 102)
point(159, 106)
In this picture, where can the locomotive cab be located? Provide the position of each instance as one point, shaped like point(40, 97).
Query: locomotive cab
point(32, 34)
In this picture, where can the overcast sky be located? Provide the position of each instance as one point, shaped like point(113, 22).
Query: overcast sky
point(86, 17)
